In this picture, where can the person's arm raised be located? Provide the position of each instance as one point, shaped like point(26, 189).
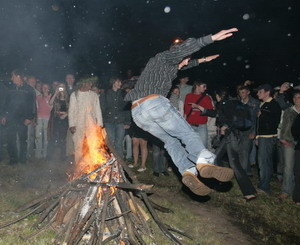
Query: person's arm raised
point(221, 35)
point(208, 58)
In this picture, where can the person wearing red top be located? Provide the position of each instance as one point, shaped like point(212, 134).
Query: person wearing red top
point(192, 112)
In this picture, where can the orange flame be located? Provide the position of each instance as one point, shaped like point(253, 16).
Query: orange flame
point(94, 155)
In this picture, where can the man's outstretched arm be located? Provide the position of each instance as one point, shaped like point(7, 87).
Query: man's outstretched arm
point(177, 53)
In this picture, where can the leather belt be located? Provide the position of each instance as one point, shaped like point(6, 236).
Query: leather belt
point(195, 125)
point(140, 101)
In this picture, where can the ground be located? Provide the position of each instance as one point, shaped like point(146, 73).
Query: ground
point(222, 218)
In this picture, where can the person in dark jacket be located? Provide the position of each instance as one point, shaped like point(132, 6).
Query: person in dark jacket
point(231, 143)
point(3, 95)
point(152, 112)
point(115, 113)
point(296, 134)
point(20, 109)
point(267, 124)
point(288, 146)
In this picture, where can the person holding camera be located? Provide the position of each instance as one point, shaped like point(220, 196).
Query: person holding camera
point(59, 121)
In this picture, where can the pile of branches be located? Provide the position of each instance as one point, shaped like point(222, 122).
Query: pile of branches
point(98, 211)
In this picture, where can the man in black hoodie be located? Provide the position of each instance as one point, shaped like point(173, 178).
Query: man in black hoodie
point(20, 109)
point(267, 124)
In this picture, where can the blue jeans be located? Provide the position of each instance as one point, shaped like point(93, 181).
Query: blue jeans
point(244, 151)
point(288, 170)
point(265, 161)
point(116, 133)
point(202, 131)
point(158, 117)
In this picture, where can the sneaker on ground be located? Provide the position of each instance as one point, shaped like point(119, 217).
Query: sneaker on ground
point(212, 171)
point(141, 169)
point(194, 184)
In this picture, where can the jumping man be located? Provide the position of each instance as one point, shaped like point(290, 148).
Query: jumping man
point(152, 111)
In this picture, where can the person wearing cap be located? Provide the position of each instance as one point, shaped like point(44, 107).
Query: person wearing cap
point(268, 120)
point(84, 110)
point(152, 111)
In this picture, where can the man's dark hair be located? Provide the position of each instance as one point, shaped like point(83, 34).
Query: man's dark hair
point(112, 80)
point(197, 83)
point(223, 93)
point(244, 88)
point(295, 92)
point(17, 72)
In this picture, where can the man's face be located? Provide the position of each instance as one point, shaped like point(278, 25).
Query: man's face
point(184, 80)
point(263, 94)
point(117, 84)
point(32, 81)
point(244, 94)
point(201, 88)
point(296, 99)
point(16, 79)
point(70, 79)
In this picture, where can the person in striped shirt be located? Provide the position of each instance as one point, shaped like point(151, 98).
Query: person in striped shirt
point(152, 112)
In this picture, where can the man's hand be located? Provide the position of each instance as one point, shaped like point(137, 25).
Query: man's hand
point(251, 136)
point(63, 115)
point(286, 143)
point(72, 130)
point(104, 133)
point(223, 34)
point(27, 122)
point(208, 58)
point(126, 126)
point(3, 120)
point(223, 130)
point(194, 106)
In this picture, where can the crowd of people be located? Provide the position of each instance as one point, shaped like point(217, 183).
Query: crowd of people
point(254, 127)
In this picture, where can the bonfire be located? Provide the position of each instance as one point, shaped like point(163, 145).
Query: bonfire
point(102, 203)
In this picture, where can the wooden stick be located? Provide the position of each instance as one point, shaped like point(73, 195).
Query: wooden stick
point(131, 235)
point(107, 240)
point(157, 220)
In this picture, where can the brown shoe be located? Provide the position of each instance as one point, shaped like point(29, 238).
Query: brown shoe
point(212, 171)
point(195, 185)
point(283, 196)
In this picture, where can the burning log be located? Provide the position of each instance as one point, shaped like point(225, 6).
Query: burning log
point(101, 205)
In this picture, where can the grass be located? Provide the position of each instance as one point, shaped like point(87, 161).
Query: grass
point(264, 221)
point(267, 219)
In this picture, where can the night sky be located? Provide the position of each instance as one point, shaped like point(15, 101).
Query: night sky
point(50, 38)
